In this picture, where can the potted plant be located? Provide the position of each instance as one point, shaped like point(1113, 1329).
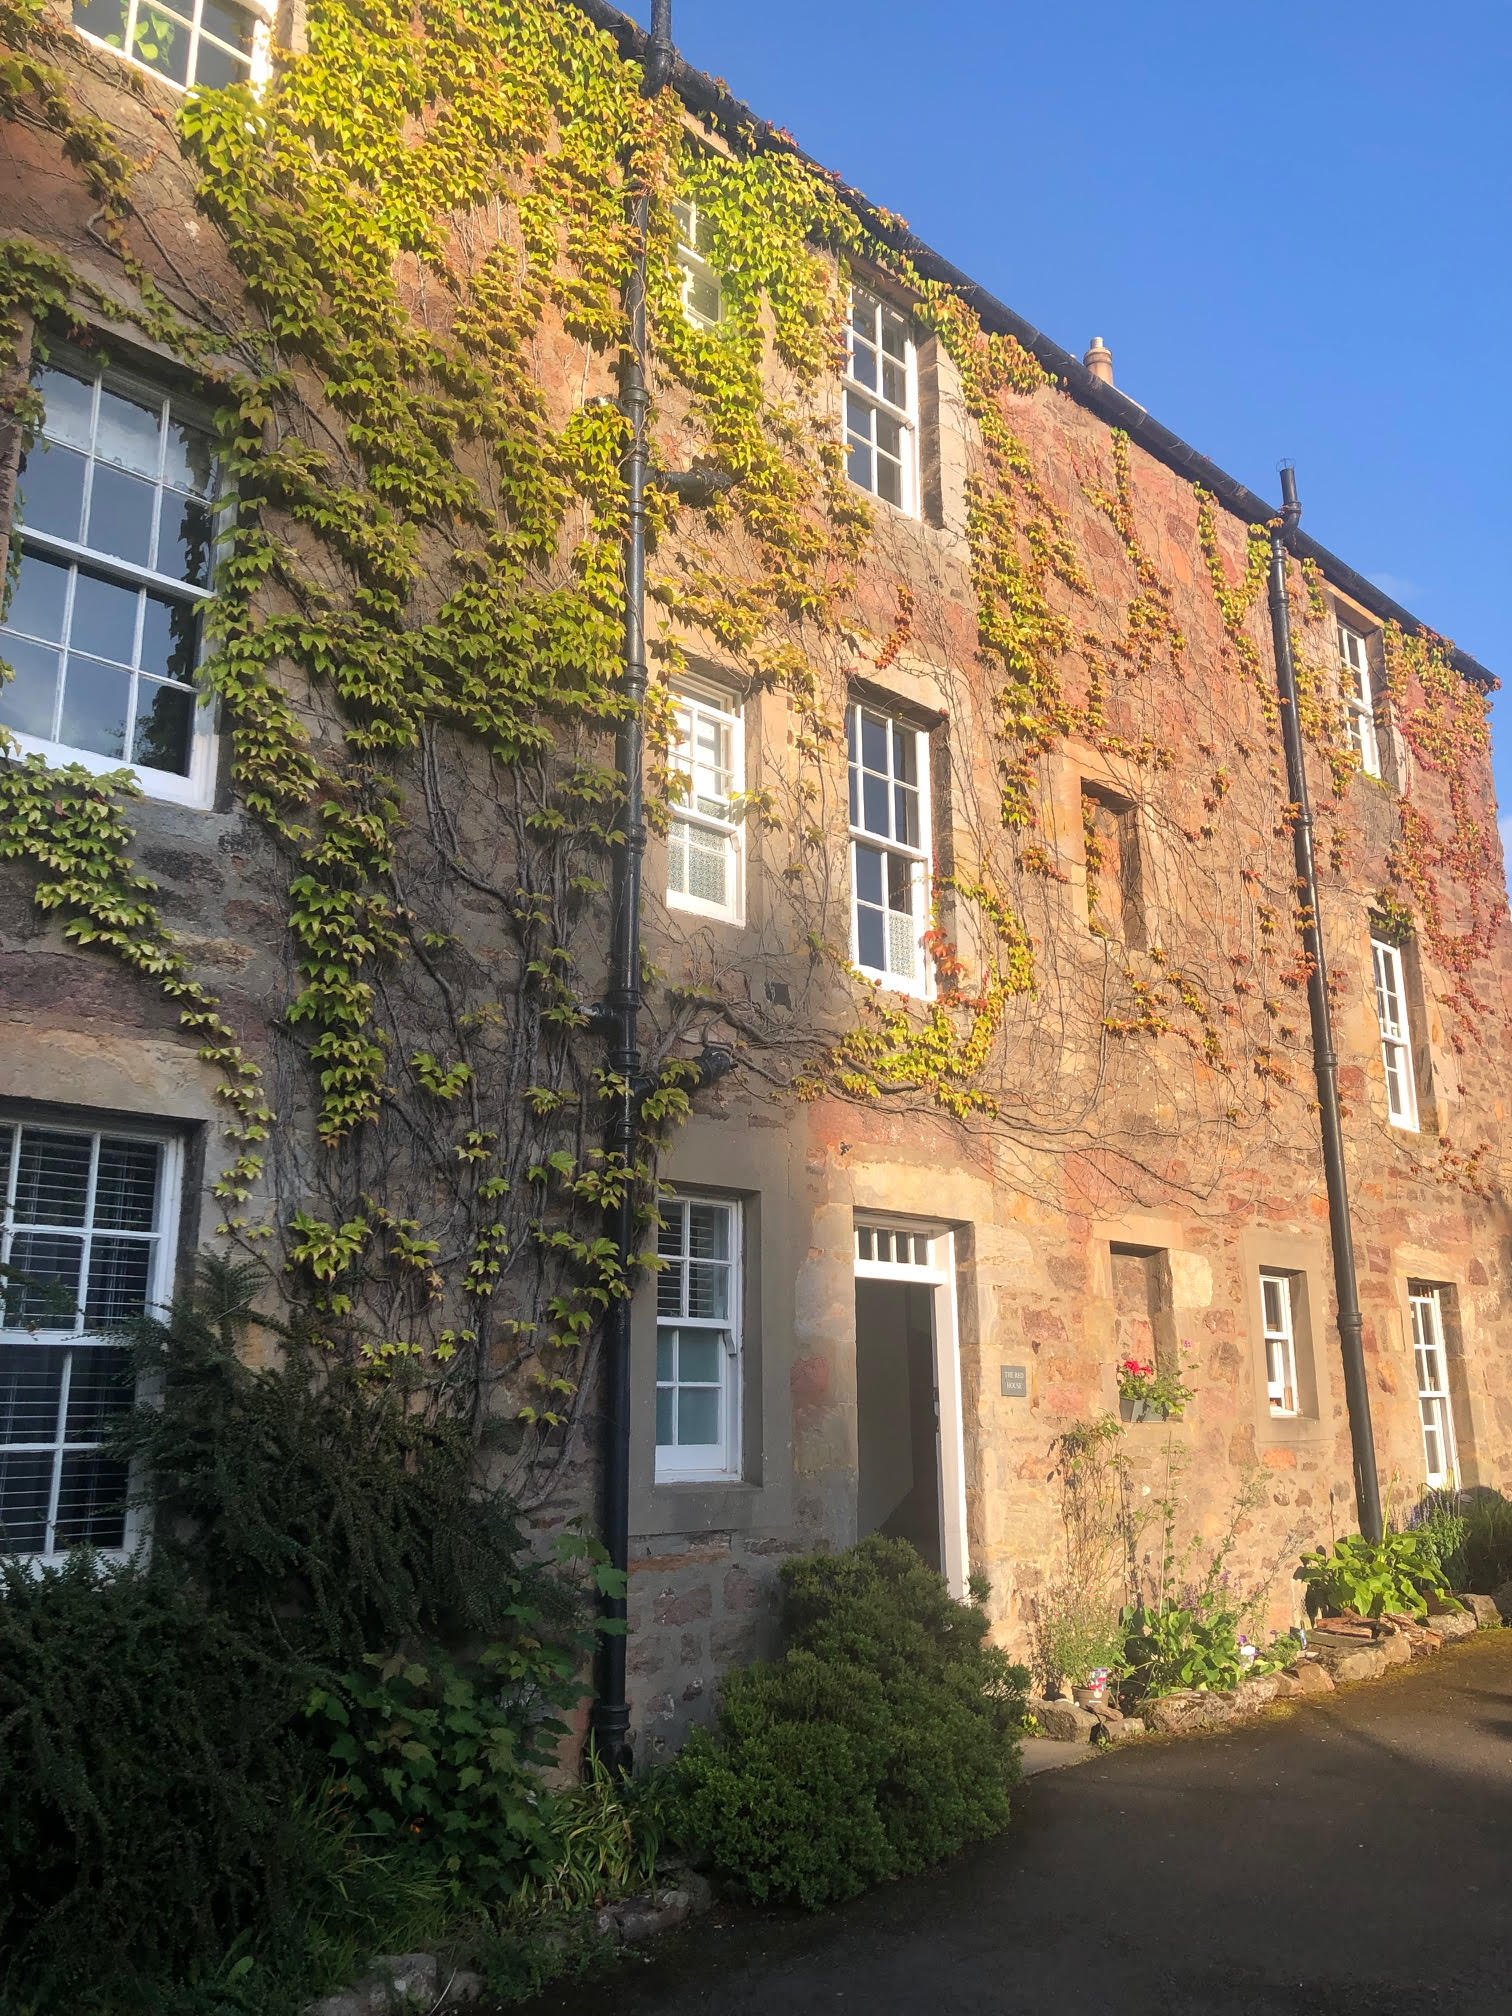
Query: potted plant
point(1146, 1393)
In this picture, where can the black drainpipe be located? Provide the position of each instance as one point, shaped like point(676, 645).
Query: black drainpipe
point(1325, 1062)
point(619, 1019)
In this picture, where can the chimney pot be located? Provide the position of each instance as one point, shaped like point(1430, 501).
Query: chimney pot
point(1099, 360)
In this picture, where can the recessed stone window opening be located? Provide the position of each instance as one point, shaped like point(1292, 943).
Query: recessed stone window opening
point(1357, 692)
point(890, 846)
point(702, 288)
point(1426, 1303)
point(115, 507)
point(1144, 1317)
point(910, 1456)
point(699, 1297)
point(1115, 884)
point(882, 401)
point(705, 848)
point(1390, 977)
point(208, 43)
point(87, 1238)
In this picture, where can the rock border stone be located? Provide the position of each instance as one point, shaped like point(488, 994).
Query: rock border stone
point(1340, 1651)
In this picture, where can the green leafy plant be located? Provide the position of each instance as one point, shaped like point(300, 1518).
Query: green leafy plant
point(1181, 1647)
point(435, 1756)
point(884, 1739)
point(1471, 1532)
point(1398, 1572)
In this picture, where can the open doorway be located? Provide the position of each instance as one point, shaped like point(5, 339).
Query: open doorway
point(910, 1473)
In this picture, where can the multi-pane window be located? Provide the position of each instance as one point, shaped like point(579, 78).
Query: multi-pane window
point(701, 293)
point(1359, 699)
point(1277, 1314)
point(115, 508)
point(202, 42)
point(704, 856)
point(881, 401)
point(1396, 1037)
point(698, 1340)
point(889, 821)
point(1432, 1363)
point(85, 1241)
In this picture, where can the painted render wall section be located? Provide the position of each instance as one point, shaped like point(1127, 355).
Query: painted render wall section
point(1114, 1139)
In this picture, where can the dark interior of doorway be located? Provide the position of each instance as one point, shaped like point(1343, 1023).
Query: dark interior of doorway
point(898, 1485)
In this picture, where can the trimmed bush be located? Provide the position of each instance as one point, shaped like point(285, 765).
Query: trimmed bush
point(883, 1740)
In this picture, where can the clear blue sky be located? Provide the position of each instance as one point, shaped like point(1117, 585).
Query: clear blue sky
point(1289, 223)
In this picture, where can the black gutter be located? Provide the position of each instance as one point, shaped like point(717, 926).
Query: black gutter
point(703, 94)
point(1325, 1058)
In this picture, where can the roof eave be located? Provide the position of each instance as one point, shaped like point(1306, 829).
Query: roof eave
point(705, 94)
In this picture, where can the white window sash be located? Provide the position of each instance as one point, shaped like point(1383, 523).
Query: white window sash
point(73, 1336)
point(1435, 1408)
point(196, 787)
point(1280, 1346)
point(918, 860)
point(695, 266)
point(873, 397)
point(1396, 1045)
point(683, 1462)
point(261, 64)
point(682, 761)
point(1355, 689)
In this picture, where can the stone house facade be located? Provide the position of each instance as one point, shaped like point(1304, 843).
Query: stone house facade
point(890, 1282)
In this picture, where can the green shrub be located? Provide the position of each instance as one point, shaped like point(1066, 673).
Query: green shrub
point(1074, 1635)
point(170, 1837)
point(328, 1507)
point(1398, 1572)
point(1481, 1557)
point(883, 1740)
point(434, 1757)
point(151, 1784)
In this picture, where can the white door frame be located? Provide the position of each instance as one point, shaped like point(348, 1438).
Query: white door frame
point(936, 1271)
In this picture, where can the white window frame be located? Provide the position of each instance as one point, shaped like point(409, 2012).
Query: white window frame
point(1396, 1033)
point(72, 1337)
point(1280, 1340)
point(260, 67)
point(887, 1249)
point(1435, 1406)
point(858, 396)
point(718, 1461)
point(918, 858)
point(1357, 692)
point(698, 703)
point(696, 264)
point(197, 786)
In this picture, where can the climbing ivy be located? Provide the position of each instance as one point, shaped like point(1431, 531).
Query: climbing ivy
point(423, 233)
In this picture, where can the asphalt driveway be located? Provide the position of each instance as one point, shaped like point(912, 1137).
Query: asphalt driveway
point(1351, 1858)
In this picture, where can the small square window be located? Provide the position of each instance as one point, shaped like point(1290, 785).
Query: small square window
point(192, 43)
point(115, 510)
